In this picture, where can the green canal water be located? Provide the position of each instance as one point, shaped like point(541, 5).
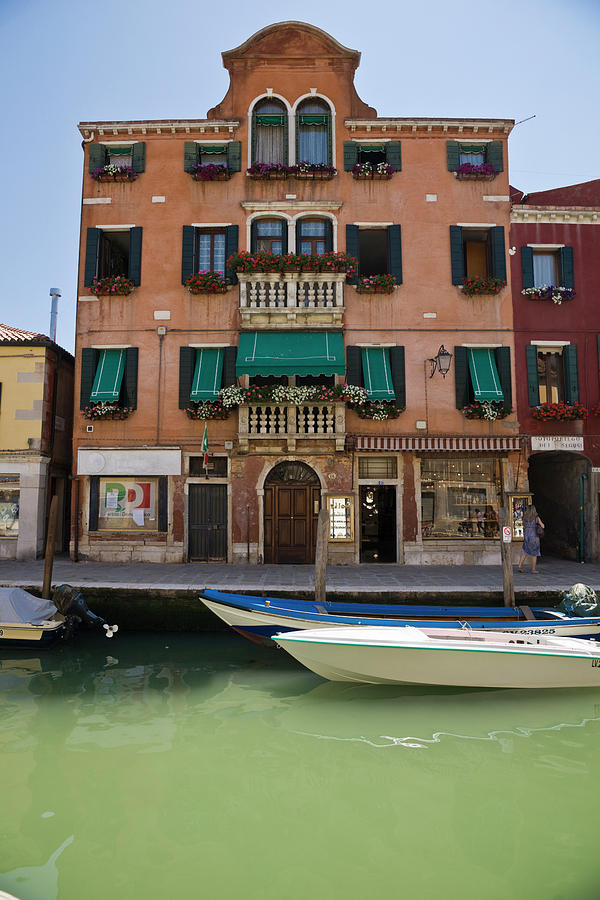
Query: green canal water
point(186, 766)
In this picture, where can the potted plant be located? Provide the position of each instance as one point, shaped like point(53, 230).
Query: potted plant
point(206, 282)
point(473, 172)
point(106, 409)
point(337, 261)
point(117, 285)
point(268, 171)
point(479, 285)
point(559, 412)
point(112, 172)
point(305, 170)
point(207, 409)
point(549, 292)
point(380, 171)
point(210, 172)
point(376, 284)
point(486, 409)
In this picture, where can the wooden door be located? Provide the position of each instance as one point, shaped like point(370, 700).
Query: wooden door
point(208, 523)
point(291, 512)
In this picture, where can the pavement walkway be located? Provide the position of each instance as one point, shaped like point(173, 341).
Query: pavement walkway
point(388, 581)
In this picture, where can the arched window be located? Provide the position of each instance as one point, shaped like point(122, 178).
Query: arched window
point(313, 132)
point(269, 132)
point(269, 235)
point(314, 236)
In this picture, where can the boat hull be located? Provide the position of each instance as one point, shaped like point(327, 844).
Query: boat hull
point(371, 661)
point(26, 636)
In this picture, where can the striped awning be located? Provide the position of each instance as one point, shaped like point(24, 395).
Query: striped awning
point(437, 444)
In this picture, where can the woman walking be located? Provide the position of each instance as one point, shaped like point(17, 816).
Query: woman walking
point(533, 528)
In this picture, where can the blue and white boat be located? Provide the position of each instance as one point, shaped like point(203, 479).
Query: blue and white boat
point(259, 618)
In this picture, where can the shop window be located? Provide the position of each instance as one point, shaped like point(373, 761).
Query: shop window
point(313, 132)
point(269, 132)
point(110, 253)
point(217, 467)
point(460, 498)
point(9, 506)
point(377, 467)
point(120, 504)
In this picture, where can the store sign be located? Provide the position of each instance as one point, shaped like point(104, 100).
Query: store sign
point(539, 442)
point(341, 518)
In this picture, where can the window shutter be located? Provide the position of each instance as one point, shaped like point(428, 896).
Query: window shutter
point(284, 236)
point(163, 503)
point(533, 384)
point(188, 246)
point(394, 233)
point(527, 266)
point(187, 362)
point(328, 235)
point(452, 155)
point(130, 380)
point(397, 369)
point(503, 364)
point(97, 158)
point(229, 357)
point(191, 155)
point(352, 249)
point(461, 376)
point(457, 256)
point(231, 245)
point(566, 267)
point(92, 248)
point(498, 254)
point(393, 155)
point(138, 157)
point(354, 366)
point(253, 236)
point(89, 363)
point(94, 499)
point(571, 376)
point(135, 255)
point(350, 155)
point(493, 155)
point(234, 156)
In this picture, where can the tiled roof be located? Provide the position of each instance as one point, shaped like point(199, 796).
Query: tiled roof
point(8, 334)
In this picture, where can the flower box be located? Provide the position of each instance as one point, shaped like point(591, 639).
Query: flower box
point(106, 410)
point(486, 409)
point(114, 286)
point(210, 172)
point(474, 177)
point(365, 171)
point(549, 292)
point(474, 286)
point(471, 172)
point(112, 172)
point(206, 282)
point(559, 412)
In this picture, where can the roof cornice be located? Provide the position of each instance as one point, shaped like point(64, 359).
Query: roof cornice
point(158, 126)
point(555, 215)
point(469, 127)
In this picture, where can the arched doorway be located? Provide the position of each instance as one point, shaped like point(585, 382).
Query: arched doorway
point(292, 502)
point(560, 496)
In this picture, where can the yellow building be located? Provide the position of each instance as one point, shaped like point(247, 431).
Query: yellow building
point(36, 423)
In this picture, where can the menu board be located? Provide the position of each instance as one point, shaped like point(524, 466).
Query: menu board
point(341, 517)
point(518, 503)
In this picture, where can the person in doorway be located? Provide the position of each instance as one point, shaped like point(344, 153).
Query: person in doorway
point(533, 527)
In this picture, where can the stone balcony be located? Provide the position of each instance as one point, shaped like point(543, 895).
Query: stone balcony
point(309, 299)
point(287, 424)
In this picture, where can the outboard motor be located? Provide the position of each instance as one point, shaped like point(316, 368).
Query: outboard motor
point(70, 603)
point(580, 600)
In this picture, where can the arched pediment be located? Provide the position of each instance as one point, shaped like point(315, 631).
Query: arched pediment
point(290, 40)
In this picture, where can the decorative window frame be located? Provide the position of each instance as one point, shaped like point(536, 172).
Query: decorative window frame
point(291, 224)
point(271, 95)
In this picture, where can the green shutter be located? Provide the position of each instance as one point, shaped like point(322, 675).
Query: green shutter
point(94, 497)
point(188, 247)
point(533, 384)
point(566, 267)
point(503, 366)
point(253, 236)
point(187, 362)
point(377, 373)
point(457, 253)
point(352, 249)
point(394, 234)
point(163, 503)
point(354, 366)
point(97, 158)
point(493, 155)
point(208, 374)
point(527, 266)
point(92, 248)
point(89, 363)
point(398, 375)
point(231, 245)
point(234, 156)
point(229, 358)
point(135, 255)
point(108, 379)
point(191, 155)
point(498, 252)
point(350, 155)
point(461, 376)
point(570, 372)
point(485, 381)
point(328, 235)
point(284, 236)
point(138, 157)
point(452, 155)
point(130, 380)
point(393, 155)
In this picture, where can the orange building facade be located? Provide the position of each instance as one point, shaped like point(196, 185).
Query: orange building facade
point(413, 459)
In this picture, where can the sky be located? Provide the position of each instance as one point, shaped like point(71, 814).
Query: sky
point(67, 61)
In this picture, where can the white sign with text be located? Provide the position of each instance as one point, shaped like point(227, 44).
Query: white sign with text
point(571, 442)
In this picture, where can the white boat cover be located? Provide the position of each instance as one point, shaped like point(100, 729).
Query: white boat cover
point(18, 607)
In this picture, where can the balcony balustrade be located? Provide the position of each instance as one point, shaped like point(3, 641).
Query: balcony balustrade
point(290, 423)
point(314, 299)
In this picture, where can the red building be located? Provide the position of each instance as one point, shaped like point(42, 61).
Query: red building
point(555, 270)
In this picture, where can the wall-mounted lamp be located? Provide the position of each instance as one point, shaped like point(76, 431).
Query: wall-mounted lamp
point(441, 362)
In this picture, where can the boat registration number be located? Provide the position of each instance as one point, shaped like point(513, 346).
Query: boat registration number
point(531, 630)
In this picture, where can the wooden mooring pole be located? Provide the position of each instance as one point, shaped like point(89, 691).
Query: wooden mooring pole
point(508, 584)
point(321, 556)
point(50, 542)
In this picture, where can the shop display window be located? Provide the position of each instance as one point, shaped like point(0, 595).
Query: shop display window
point(9, 506)
point(128, 504)
point(460, 498)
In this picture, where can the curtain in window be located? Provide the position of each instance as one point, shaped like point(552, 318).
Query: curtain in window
point(269, 141)
point(544, 269)
point(472, 153)
point(312, 142)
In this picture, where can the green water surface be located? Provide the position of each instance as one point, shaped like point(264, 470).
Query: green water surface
point(186, 766)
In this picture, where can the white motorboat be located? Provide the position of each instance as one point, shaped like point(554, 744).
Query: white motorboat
point(444, 656)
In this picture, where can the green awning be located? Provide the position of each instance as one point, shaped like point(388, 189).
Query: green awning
point(210, 148)
point(472, 148)
point(109, 375)
point(208, 372)
point(370, 148)
point(270, 120)
point(484, 374)
point(290, 353)
point(120, 151)
point(377, 375)
point(314, 120)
